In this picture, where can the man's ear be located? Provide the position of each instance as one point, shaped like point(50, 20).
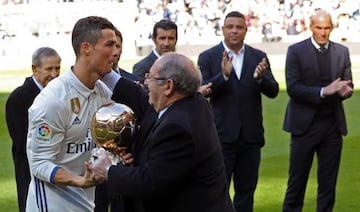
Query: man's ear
point(169, 87)
point(86, 48)
point(34, 69)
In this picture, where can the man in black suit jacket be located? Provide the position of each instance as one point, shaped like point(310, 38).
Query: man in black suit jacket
point(45, 67)
point(102, 198)
point(164, 37)
point(239, 75)
point(318, 79)
point(179, 162)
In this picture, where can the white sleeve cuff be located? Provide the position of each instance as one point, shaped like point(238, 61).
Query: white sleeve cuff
point(111, 79)
point(225, 77)
point(107, 172)
point(322, 93)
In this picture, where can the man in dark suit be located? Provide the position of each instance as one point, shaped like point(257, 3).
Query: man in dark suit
point(164, 37)
point(116, 68)
point(102, 198)
point(45, 67)
point(179, 161)
point(239, 75)
point(318, 79)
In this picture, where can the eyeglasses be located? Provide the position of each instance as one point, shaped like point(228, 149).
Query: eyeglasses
point(148, 78)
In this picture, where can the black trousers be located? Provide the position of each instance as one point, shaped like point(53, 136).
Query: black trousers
point(242, 164)
point(104, 201)
point(22, 176)
point(324, 139)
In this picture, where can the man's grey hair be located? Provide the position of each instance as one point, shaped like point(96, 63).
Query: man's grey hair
point(182, 71)
point(43, 52)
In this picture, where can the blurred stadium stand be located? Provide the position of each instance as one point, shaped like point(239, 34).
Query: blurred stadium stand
point(272, 24)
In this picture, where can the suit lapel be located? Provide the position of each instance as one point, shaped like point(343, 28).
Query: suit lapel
point(311, 58)
point(333, 68)
point(29, 83)
point(153, 57)
point(244, 69)
point(145, 129)
point(149, 132)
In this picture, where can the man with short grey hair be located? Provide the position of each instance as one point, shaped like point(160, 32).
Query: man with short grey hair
point(45, 67)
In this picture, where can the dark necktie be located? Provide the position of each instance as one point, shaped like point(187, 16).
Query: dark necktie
point(322, 50)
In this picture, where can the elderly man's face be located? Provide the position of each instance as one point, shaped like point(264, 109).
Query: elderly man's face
point(156, 86)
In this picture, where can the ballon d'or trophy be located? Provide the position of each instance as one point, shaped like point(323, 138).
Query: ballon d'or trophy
point(112, 128)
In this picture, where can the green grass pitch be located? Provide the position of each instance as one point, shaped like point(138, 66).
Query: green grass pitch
point(274, 164)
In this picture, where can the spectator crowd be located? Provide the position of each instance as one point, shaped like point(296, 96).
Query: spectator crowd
point(272, 19)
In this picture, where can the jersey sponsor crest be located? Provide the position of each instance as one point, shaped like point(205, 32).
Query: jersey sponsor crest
point(43, 134)
point(75, 105)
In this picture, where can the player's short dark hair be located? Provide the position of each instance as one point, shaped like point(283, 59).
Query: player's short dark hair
point(88, 29)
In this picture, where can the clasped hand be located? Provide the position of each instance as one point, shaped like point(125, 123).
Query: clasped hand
point(341, 87)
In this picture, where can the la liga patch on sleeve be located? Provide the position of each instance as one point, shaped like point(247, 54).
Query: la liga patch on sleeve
point(43, 134)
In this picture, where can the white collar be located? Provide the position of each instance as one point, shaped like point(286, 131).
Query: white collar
point(37, 83)
point(228, 50)
point(316, 45)
point(156, 53)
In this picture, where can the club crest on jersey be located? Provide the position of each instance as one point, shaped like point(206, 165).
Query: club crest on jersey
point(43, 133)
point(75, 105)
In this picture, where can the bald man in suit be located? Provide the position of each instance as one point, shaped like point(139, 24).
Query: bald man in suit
point(318, 79)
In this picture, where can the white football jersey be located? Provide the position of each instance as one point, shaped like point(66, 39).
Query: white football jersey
point(59, 136)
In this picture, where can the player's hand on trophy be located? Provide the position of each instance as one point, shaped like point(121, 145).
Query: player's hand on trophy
point(100, 166)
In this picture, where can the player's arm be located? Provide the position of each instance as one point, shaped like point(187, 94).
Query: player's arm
point(64, 177)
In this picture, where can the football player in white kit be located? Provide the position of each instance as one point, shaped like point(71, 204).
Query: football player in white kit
point(59, 142)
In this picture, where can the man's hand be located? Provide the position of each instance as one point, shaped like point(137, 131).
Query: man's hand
point(345, 91)
point(226, 64)
point(88, 179)
point(341, 87)
point(126, 158)
point(260, 69)
point(63, 177)
point(100, 166)
point(205, 90)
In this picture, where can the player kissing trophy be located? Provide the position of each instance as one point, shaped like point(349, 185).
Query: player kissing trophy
point(112, 128)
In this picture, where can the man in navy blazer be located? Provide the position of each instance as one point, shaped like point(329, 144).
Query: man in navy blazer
point(116, 68)
point(45, 67)
point(179, 161)
point(239, 75)
point(103, 200)
point(164, 37)
point(318, 79)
